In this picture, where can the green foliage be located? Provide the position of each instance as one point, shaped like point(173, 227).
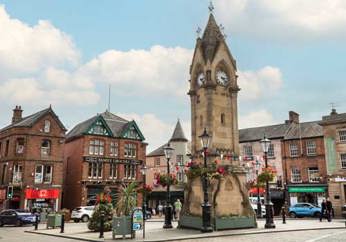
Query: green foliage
point(104, 205)
point(127, 199)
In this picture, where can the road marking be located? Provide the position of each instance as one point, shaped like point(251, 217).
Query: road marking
point(325, 236)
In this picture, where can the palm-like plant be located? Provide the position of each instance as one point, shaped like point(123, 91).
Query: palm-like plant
point(126, 199)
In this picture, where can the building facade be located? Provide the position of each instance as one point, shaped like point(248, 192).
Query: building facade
point(103, 151)
point(334, 129)
point(157, 164)
point(31, 161)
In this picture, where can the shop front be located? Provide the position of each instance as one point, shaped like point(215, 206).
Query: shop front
point(42, 199)
point(307, 194)
point(337, 193)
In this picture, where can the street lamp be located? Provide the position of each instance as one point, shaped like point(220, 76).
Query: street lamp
point(206, 213)
point(144, 173)
point(265, 142)
point(259, 206)
point(168, 211)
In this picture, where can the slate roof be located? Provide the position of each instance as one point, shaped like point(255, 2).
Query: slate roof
point(30, 120)
point(333, 118)
point(158, 152)
point(304, 130)
point(178, 134)
point(114, 122)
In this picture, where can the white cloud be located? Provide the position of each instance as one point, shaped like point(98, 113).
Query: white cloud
point(255, 119)
point(259, 83)
point(284, 18)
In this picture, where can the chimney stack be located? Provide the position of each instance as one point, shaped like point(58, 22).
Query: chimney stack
point(17, 114)
point(293, 117)
point(333, 111)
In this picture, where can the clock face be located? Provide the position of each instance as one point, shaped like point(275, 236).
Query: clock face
point(222, 78)
point(200, 79)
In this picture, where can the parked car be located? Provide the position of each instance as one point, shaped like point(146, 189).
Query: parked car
point(343, 211)
point(16, 217)
point(82, 213)
point(304, 210)
point(263, 209)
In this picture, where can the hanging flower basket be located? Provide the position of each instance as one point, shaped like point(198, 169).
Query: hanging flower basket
point(213, 171)
point(164, 179)
point(145, 190)
point(268, 174)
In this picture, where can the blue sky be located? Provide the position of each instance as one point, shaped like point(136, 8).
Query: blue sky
point(65, 53)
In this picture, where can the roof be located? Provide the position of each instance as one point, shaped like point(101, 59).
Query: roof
point(333, 118)
point(116, 125)
point(304, 130)
point(178, 134)
point(30, 120)
point(158, 152)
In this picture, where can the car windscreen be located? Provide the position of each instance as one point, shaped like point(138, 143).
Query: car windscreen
point(77, 209)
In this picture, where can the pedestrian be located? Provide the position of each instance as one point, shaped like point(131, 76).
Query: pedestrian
point(160, 209)
point(329, 207)
point(323, 209)
point(177, 206)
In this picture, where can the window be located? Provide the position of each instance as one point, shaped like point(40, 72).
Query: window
point(113, 149)
point(45, 148)
point(47, 175)
point(96, 147)
point(132, 133)
point(46, 126)
point(17, 174)
point(130, 171)
point(0, 149)
point(313, 174)
point(157, 161)
point(3, 175)
point(343, 161)
point(248, 152)
point(39, 174)
point(222, 118)
point(20, 146)
point(7, 147)
point(293, 150)
point(180, 160)
point(95, 170)
point(113, 171)
point(271, 153)
point(43, 173)
point(295, 175)
point(180, 176)
point(310, 147)
point(130, 150)
point(201, 121)
point(98, 128)
point(342, 135)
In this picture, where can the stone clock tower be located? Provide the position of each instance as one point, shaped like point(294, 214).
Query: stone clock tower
point(213, 92)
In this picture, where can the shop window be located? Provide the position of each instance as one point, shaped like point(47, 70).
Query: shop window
point(95, 170)
point(248, 155)
point(342, 135)
point(20, 146)
point(271, 153)
point(46, 126)
point(17, 174)
point(45, 148)
point(130, 171)
point(313, 174)
point(113, 149)
point(96, 147)
point(43, 174)
point(310, 147)
point(130, 150)
point(113, 171)
point(343, 161)
point(293, 150)
point(295, 175)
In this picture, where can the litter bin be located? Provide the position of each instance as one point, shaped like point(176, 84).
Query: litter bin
point(43, 217)
point(54, 220)
point(121, 226)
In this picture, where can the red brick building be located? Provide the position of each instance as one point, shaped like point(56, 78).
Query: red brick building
point(304, 164)
point(31, 161)
point(105, 150)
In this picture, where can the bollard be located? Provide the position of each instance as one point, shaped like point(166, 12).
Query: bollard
point(62, 227)
point(36, 221)
point(283, 211)
point(102, 217)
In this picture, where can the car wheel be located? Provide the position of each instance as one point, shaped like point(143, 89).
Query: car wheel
point(19, 223)
point(76, 220)
point(292, 215)
point(317, 214)
point(85, 218)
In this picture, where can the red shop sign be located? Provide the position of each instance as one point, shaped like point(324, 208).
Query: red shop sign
point(42, 193)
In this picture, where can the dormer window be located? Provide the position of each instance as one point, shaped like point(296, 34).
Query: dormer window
point(45, 148)
point(46, 126)
point(20, 146)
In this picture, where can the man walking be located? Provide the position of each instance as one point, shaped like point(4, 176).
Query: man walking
point(329, 207)
point(323, 209)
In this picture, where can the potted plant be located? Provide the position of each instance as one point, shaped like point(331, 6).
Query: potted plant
point(104, 208)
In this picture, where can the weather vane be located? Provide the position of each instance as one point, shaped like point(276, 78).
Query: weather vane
point(211, 7)
point(198, 31)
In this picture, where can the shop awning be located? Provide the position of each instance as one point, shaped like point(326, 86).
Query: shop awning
point(41, 193)
point(254, 190)
point(307, 189)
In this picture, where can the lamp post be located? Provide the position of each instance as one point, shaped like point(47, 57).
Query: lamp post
point(168, 211)
point(265, 142)
point(259, 206)
point(206, 213)
point(144, 173)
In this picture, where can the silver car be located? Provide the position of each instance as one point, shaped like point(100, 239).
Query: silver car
point(82, 213)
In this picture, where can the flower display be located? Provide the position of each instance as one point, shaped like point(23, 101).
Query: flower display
point(267, 174)
point(103, 198)
point(213, 171)
point(146, 189)
point(164, 179)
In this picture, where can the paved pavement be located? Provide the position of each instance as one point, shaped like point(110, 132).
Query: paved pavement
point(313, 230)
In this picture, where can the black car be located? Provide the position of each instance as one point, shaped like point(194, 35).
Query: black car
point(16, 217)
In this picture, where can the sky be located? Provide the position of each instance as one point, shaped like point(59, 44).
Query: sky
point(290, 56)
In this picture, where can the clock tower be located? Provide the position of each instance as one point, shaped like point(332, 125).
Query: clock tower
point(213, 92)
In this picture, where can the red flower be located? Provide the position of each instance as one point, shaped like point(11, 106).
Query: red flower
point(221, 170)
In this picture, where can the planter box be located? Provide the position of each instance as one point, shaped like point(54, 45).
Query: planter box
point(122, 226)
point(54, 220)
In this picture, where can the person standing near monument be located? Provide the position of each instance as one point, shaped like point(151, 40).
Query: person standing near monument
point(177, 206)
point(329, 207)
point(323, 209)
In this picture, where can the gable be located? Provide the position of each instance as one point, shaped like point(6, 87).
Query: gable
point(99, 127)
point(132, 132)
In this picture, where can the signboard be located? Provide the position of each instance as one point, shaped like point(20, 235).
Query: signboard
point(110, 160)
point(137, 219)
point(42, 193)
point(306, 189)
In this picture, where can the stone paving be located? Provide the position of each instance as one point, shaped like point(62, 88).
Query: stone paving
point(155, 232)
